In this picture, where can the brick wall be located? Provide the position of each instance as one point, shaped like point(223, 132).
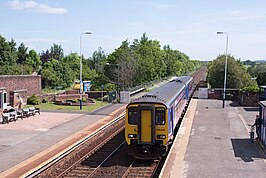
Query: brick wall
point(48, 97)
point(243, 99)
point(249, 99)
point(96, 94)
point(70, 96)
point(31, 83)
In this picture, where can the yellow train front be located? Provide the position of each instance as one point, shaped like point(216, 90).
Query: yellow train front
point(152, 119)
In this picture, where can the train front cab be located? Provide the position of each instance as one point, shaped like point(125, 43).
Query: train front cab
point(146, 130)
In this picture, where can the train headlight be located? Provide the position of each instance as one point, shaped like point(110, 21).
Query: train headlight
point(161, 136)
point(132, 135)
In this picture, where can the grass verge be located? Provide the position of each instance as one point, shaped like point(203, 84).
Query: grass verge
point(52, 106)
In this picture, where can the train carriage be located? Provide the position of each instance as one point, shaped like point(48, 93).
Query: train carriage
point(152, 118)
point(262, 126)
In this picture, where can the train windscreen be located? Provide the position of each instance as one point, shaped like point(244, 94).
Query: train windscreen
point(133, 115)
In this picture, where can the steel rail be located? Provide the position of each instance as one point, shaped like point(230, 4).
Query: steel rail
point(96, 169)
point(73, 148)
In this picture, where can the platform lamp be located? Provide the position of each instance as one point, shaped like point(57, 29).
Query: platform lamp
point(80, 74)
point(225, 67)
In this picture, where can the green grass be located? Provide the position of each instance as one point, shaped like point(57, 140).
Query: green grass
point(52, 106)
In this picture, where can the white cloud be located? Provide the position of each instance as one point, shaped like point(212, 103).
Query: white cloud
point(235, 12)
point(136, 23)
point(34, 6)
point(160, 6)
point(46, 40)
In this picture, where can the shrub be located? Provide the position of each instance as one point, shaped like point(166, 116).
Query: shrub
point(45, 100)
point(72, 100)
point(33, 100)
point(251, 89)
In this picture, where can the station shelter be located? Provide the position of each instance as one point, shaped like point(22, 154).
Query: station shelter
point(262, 115)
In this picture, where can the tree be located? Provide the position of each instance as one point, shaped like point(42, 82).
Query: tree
point(8, 53)
point(122, 66)
point(73, 60)
point(33, 59)
point(259, 71)
point(173, 62)
point(49, 74)
point(237, 75)
point(45, 56)
point(56, 52)
point(57, 73)
point(98, 60)
point(15, 69)
point(22, 53)
point(148, 56)
point(13, 51)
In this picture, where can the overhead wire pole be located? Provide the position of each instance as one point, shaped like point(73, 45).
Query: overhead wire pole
point(80, 74)
point(225, 67)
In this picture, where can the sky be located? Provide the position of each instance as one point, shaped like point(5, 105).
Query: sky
point(189, 26)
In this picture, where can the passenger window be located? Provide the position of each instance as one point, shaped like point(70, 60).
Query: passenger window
point(133, 115)
point(160, 116)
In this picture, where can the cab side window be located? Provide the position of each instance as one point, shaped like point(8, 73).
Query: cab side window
point(133, 115)
point(160, 116)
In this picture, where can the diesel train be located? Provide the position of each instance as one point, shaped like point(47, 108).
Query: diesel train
point(152, 119)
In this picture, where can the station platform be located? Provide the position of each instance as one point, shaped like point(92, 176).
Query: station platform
point(26, 143)
point(214, 142)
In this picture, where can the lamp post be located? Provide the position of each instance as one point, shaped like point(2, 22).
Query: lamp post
point(80, 74)
point(225, 67)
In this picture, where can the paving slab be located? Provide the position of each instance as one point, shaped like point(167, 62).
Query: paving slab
point(219, 144)
point(25, 138)
point(214, 142)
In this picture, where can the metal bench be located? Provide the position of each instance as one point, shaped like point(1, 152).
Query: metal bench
point(5, 118)
point(13, 116)
point(9, 117)
point(26, 112)
point(34, 110)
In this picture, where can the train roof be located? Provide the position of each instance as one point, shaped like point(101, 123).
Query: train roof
point(166, 93)
point(263, 103)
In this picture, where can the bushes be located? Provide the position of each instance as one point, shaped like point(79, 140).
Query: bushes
point(33, 100)
point(45, 100)
point(76, 100)
point(72, 100)
point(254, 89)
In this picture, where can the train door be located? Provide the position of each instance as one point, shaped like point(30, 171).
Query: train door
point(171, 122)
point(146, 124)
point(187, 92)
point(263, 127)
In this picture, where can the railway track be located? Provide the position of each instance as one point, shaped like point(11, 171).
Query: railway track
point(109, 160)
point(79, 152)
point(104, 154)
point(93, 165)
point(112, 160)
point(142, 168)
